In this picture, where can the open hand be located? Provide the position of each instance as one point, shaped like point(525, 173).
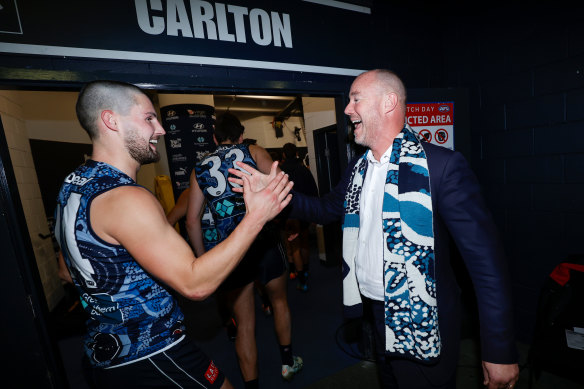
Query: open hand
point(257, 179)
point(270, 200)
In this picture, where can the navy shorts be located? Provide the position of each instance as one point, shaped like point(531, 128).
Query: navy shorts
point(264, 261)
point(182, 366)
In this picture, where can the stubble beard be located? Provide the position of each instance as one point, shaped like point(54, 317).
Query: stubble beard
point(140, 150)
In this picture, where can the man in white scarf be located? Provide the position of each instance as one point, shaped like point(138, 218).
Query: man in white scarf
point(377, 109)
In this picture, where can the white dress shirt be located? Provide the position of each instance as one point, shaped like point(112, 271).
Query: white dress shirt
point(369, 260)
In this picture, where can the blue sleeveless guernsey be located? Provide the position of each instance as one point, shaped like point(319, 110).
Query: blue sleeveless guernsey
point(226, 206)
point(131, 315)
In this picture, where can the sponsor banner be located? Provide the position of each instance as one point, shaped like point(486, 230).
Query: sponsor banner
point(433, 121)
point(286, 35)
point(189, 136)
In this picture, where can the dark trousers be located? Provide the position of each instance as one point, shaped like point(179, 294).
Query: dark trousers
point(400, 373)
point(184, 365)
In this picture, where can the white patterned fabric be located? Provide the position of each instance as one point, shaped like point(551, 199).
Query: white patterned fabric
point(411, 312)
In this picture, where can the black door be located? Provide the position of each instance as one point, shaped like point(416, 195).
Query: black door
point(329, 172)
point(30, 358)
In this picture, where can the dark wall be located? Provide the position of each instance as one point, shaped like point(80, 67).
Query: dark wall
point(525, 70)
point(523, 66)
point(52, 162)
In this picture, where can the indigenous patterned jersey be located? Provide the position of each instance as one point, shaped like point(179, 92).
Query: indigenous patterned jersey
point(130, 314)
point(226, 207)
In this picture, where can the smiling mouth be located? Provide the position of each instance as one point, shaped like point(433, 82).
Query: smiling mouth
point(153, 144)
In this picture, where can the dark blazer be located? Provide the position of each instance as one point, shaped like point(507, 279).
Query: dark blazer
point(459, 211)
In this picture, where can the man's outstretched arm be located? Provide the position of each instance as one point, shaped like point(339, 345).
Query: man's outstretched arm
point(132, 217)
point(322, 210)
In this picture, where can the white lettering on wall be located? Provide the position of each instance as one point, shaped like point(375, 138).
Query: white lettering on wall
point(177, 19)
point(154, 25)
point(216, 21)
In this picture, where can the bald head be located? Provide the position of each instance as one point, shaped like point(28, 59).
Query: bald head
point(97, 96)
point(387, 81)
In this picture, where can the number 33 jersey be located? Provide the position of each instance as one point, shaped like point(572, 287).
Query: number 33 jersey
point(227, 207)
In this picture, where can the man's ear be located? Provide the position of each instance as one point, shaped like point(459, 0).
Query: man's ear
point(109, 119)
point(390, 102)
point(215, 140)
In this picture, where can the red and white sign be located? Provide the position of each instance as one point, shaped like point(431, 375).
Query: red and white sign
point(434, 121)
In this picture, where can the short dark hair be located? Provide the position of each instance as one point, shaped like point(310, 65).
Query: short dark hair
point(100, 95)
point(290, 150)
point(228, 127)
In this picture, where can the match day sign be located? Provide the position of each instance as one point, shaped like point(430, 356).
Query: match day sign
point(434, 121)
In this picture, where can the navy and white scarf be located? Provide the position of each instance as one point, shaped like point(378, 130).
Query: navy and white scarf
point(411, 311)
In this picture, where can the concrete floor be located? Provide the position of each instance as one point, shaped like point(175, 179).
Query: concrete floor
point(331, 362)
point(469, 376)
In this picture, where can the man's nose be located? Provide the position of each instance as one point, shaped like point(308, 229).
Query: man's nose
point(349, 108)
point(160, 129)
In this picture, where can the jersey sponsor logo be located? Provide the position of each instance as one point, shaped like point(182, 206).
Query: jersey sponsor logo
point(212, 373)
point(224, 207)
point(210, 235)
point(102, 307)
point(76, 180)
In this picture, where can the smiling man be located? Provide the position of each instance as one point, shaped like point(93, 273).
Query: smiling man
point(400, 202)
point(124, 256)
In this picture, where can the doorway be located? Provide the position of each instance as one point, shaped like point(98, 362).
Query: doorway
point(56, 136)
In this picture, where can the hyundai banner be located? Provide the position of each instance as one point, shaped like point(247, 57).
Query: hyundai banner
point(189, 136)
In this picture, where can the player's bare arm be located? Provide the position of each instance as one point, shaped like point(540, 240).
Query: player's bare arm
point(133, 217)
point(262, 158)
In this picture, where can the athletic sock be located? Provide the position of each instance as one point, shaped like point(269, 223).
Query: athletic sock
point(253, 384)
point(286, 355)
point(302, 277)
